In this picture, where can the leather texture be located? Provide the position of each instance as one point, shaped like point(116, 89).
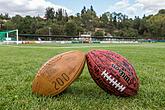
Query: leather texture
point(58, 73)
point(112, 72)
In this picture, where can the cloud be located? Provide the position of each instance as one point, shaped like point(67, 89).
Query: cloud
point(152, 6)
point(28, 7)
point(138, 7)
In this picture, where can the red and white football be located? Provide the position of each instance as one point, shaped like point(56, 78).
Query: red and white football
point(112, 72)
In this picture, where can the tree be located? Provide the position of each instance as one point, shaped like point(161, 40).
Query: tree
point(26, 25)
point(71, 28)
point(57, 29)
point(89, 20)
point(17, 18)
point(136, 23)
point(49, 14)
point(9, 25)
point(42, 31)
point(91, 8)
point(92, 11)
point(61, 15)
point(142, 27)
point(99, 33)
point(156, 25)
point(128, 23)
point(114, 23)
point(5, 16)
point(162, 11)
point(79, 30)
point(104, 20)
point(130, 32)
point(83, 11)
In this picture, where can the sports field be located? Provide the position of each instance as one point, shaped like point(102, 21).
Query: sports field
point(19, 64)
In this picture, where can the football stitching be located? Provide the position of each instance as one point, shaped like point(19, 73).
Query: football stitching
point(100, 77)
point(114, 82)
point(132, 75)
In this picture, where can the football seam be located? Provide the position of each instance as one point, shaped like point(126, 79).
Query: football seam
point(101, 79)
point(127, 86)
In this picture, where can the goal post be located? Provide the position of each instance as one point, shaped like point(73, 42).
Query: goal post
point(9, 36)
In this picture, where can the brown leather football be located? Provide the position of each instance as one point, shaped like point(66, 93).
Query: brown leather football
point(58, 73)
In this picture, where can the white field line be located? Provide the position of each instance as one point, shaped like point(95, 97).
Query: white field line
point(86, 46)
point(46, 47)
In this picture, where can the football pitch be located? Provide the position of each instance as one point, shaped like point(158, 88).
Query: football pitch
point(19, 64)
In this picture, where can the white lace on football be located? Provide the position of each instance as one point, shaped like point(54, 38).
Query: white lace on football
point(114, 82)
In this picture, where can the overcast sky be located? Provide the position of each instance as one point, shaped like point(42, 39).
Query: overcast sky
point(37, 7)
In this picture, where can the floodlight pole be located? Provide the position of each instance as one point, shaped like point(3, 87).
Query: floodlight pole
point(17, 35)
point(49, 30)
point(7, 37)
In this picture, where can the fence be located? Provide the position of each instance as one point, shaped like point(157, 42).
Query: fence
point(75, 39)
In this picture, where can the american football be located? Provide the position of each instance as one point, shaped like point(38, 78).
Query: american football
point(112, 72)
point(58, 73)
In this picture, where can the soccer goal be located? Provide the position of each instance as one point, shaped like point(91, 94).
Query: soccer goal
point(9, 36)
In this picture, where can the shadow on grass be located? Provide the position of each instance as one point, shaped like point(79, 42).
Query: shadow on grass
point(89, 92)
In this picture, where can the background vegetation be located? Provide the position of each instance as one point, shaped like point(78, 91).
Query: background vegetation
point(57, 22)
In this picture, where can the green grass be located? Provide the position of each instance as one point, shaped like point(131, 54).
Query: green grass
point(19, 64)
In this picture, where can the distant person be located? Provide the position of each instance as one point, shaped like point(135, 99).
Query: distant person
point(39, 39)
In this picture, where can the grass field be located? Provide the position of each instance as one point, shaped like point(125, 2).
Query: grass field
point(19, 64)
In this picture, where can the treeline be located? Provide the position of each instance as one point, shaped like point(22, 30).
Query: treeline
point(57, 22)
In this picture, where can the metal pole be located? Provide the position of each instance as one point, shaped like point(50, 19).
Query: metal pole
point(17, 35)
point(7, 37)
point(49, 31)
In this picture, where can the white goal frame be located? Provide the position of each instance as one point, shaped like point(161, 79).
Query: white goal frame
point(7, 36)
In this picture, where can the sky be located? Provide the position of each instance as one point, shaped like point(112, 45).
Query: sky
point(37, 7)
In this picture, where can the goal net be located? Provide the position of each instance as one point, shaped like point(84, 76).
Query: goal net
point(10, 36)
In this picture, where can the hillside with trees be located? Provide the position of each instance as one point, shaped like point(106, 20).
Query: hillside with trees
point(57, 22)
